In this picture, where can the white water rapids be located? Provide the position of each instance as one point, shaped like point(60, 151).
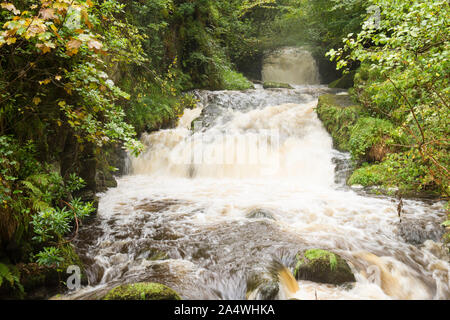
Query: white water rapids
point(188, 198)
point(197, 213)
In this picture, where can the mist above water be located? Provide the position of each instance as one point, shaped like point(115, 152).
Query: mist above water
point(290, 65)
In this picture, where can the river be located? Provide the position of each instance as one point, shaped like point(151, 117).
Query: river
point(185, 216)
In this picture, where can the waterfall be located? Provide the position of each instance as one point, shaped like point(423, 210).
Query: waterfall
point(190, 198)
point(291, 65)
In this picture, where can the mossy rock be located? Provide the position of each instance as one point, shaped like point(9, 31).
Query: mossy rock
point(338, 114)
point(276, 85)
point(142, 291)
point(323, 267)
point(344, 82)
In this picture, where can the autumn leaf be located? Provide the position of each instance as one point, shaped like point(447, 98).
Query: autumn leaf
point(37, 27)
point(85, 16)
point(55, 31)
point(10, 7)
point(45, 47)
point(11, 40)
point(57, 78)
point(47, 13)
point(60, 6)
point(46, 81)
point(95, 45)
point(73, 46)
point(36, 100)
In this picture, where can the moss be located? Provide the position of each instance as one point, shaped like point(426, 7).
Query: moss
point(323, 266)
point(142, 291)
point(372, 139)
point(276, 85)
point(338, 114)
point(399, 173)
point(233, 80)
point(314, 254)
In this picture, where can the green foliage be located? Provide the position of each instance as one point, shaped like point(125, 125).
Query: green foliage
point(50, 256)
point(63, 39)
point(369, 132)
point(318, 24)
point(404, 78)
point(32, 194)
point(338, 114)
point(10, 276)
point(233, 80)
point(403, 171)
point(52, 224)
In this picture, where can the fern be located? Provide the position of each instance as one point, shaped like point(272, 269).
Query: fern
point(37, 196)
point(11, 276)
point(34, 190)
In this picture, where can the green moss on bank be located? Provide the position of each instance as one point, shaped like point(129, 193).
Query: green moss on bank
point(338, 114)
point(233, 80)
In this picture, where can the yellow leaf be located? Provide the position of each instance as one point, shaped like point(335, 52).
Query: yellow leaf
point(57, 78)
point(46, 81)
point(10, 7)
point(11, 40)
point(37, 100)
point(62, 104)
point(85, 16)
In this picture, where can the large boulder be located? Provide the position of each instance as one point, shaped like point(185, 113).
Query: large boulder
point(323, 267)
point(142, 291)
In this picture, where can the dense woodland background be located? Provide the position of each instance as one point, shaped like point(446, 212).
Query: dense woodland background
point(80, 79)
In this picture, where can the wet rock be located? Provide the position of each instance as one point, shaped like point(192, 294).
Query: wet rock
point(417, 232)
point(153, 254)
point(276, 85)
point(274, 282)
point(262, 287)
point(201, 253)
point(323, 267)
point(105, 180)
point(157, 205)
point(142, 291)
point(165, 233)
point(260, 214)
point(269, 290)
